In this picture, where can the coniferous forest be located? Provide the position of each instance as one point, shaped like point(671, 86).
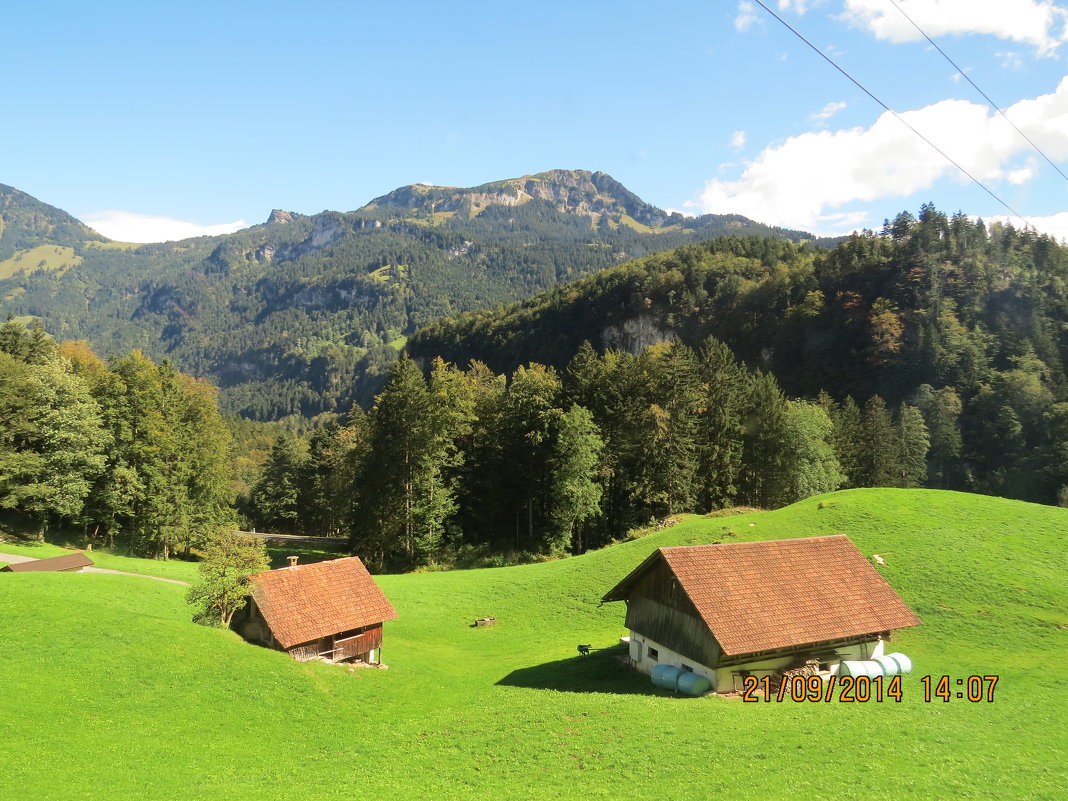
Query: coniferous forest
point(968, 324)
point(736, 372)
point(461, 463)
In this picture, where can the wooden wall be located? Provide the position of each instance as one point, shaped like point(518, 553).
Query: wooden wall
point(350, 647)
point(659, 609)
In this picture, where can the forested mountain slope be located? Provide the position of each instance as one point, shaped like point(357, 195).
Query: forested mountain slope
point(968, 323)
point(304, 314)
point(26, 222)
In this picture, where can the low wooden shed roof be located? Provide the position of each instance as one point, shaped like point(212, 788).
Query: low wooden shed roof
point(760, 596)
point(70, 561)
point(305, 602)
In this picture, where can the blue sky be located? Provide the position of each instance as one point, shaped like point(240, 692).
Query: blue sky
point(143, 118)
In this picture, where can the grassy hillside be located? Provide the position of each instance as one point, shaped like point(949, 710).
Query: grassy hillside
point(110, 692)
point(42, 257)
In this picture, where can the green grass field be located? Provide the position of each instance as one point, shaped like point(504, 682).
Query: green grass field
point(42, 257)
point(108, 691)
point(172, 569)
point(112, 245)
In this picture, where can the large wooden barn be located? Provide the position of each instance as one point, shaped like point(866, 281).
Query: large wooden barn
point(329, 610)
point(725, 611)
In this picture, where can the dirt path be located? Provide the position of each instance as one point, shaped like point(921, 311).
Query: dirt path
point(14, 559)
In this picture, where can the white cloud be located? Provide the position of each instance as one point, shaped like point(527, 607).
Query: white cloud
point(746, 17)
point(1022, 175)
point(128, 226)
point(1056, 225)
point(738, 140)
point(828, 111)
point(803, 181)
point(1010, 60)
point(1036, 22)
point(798, 6)
point(683, 212)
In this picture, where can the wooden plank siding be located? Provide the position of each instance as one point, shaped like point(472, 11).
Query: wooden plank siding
point(338, 649)
point(659, 609)
point(309, 650)
point(357, 645)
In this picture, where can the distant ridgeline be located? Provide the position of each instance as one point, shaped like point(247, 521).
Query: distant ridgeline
point(304, 314)
point(966, 322)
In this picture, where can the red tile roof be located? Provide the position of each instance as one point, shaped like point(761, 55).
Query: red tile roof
point(759, 596)
point(306, 602)
point(70, 561)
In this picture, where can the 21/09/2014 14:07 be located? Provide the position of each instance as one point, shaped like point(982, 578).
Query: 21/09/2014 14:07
point(861, 689)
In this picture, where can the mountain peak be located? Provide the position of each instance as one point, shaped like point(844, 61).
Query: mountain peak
point(281, 216)
point(581, 192)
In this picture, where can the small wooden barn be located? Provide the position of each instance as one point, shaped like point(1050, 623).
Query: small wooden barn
point(67, 562)
point(726, 611)
point(329, 610)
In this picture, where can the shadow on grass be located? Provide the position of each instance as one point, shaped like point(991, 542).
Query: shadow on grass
point(603, 671)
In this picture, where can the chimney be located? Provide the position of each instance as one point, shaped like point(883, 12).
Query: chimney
point(293, 560)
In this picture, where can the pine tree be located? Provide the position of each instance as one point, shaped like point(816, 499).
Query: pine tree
point(13, 339)
point(405, 494)
point(384, 526)
point(276, 496)
point(324, 487)
point(941, 410)
point(764, 461)
point(882, 446)
point(914, 443)
point(482, 516)
point(849, 442)
point(676, 384)
point(40, 347)
point(623, 413)
point(720, 425)
point(584, 377)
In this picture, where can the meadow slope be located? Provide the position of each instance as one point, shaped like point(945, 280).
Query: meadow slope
point(110, 692)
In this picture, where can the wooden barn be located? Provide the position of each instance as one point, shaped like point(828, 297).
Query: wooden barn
point(68, 562)
point(329, 610)
point(725, 611)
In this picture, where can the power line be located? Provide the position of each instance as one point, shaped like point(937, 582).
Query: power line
point(980, 91)
point(897, 116)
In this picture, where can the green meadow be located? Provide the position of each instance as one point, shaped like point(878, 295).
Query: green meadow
point(108, 691)
point(42, 257)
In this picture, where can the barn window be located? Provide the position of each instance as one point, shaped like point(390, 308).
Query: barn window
point(653, 654)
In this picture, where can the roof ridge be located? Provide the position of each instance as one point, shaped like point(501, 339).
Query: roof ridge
point(753, 542)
